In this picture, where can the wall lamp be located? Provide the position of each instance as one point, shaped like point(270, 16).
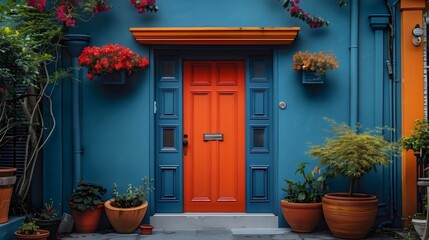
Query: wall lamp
point(417, 34)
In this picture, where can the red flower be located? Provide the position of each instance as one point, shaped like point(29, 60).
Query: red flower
point(145, 5)
point(67, 10)
point(39, 4)
point(109, 58)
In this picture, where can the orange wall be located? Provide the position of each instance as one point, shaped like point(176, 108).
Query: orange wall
point(412, 95)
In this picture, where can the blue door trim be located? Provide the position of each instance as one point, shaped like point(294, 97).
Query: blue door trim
point(260, 159)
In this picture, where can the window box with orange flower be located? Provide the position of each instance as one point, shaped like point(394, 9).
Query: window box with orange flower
point(110, 60)
point(314, 65)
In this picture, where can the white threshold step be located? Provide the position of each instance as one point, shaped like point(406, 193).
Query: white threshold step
point(203, 221)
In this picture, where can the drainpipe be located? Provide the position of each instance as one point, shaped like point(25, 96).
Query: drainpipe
point(75, 44)
point(379, 22)
point(395, 81)
point(354, 67)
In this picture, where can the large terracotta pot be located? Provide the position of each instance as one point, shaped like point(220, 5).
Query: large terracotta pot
point(7, 180)
point(87, 222)
point(349, 217)
point(42, 235)
point(302, 217)
point(125, 220)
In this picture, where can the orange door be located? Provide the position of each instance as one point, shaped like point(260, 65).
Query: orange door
point(214, 128)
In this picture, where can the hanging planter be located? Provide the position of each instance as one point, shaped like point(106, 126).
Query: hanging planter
point(314, 65)
point(114, 78)
point(111, 59)
point(311, 77)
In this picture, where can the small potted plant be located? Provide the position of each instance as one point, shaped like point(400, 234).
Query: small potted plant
point(110, 59)
point(126, 211)
point(351, 154)
point(47, 219)
point(418, 140)
point(302, 206)
point(29, 230)
point(314, 65)
point(418, 220)
point(87, 205)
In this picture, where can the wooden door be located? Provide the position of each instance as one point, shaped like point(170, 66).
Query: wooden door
point(214, 136)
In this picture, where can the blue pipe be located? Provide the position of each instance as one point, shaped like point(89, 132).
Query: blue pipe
point(392, 121)
point(395, 125)
point(75, 44)
point(354, 67)
point(76, 146)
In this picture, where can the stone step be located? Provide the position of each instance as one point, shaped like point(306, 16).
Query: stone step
point(204, 221)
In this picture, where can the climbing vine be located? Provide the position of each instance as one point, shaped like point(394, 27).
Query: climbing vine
point(313, 21)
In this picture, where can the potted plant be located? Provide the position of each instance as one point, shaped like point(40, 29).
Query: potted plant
point(302, 206)
point(418, 140)
point(29, 230)
point(351, 154)
point(314, 65)
point(48, 219)
point(87, 206)
point(418, 220)
point(7, 181)
point(109, 59)
point(126, 211)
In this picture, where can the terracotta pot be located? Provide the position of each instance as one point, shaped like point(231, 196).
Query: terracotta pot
point(87, 222)
point(41, 235)
point(302, 217)
point(7, 171)
point(146, 229)
point(349, 217)
point(7, 180)
point(125, 220)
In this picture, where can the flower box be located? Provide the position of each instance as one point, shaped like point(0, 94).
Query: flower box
point(114, 78)
point(311, 77)
point(110, 58)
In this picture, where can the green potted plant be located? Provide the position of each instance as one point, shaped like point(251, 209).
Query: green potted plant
point(29, 230)
point(87, 205)
point(418, 140)
point(126, 211)
point(351, 154)
point(302, 206)
point(48, 219)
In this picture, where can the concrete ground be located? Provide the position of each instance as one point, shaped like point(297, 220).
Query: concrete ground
point(234, 234)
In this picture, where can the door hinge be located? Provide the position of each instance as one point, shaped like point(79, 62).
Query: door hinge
point(154, 107)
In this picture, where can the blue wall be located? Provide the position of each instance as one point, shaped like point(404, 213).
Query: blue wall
point(117, 120)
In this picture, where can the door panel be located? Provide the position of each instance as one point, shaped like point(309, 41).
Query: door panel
point(214, 104)
point(168, 113)
point(259, 158)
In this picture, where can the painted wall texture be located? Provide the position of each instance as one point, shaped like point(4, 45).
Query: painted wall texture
point(117, 122)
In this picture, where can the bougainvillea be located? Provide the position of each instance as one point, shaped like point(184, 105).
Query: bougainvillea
point(145, 5)
point(109, 58)
point(68, 10)
point(319, 62)
point(39, 4)
point(313, 21)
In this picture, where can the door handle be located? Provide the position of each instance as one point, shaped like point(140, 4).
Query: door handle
point(185, 143)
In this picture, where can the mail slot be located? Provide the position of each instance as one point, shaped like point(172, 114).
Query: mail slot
point(213, 136)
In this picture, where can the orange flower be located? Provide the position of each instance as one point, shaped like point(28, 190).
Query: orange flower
point(319, 62)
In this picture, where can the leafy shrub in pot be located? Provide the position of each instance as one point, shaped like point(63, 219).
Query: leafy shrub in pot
point(126, 210)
